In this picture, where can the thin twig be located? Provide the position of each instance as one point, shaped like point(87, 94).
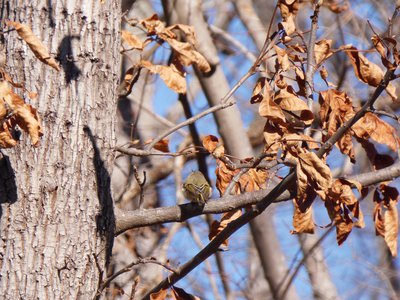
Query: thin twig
point(159, 118)
point(311, 60)
point(142, 153)
point(149, 260)
point(133, 289)
point(230, 39)
point(302, 261)
point(208, 111)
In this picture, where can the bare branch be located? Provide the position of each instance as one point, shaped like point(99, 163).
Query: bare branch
point(146, 217)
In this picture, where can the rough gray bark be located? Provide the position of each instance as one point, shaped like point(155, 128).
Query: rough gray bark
point(57, 221)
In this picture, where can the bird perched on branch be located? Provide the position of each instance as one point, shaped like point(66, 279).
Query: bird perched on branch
point(196, 188)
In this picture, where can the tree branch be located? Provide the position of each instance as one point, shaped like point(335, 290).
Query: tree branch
point(146, 217)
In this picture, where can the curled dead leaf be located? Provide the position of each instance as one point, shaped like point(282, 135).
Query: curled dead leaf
point(212, 144)
point(130, 78)
point(218, 226)
point(34, 44)
point(160, 295)
point(302, 220)
point(366, 71)
point(391, 223)
point(311, 170)
point(336, 108)
point(371, 126)
point(187, 55)
point(171, 75)
point(297, 112)
point(322, 51)
point(181, 294)
point(18, 113)
point(162, 145)
point(132, 40)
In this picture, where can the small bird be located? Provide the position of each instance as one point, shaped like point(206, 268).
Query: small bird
point(196, 188)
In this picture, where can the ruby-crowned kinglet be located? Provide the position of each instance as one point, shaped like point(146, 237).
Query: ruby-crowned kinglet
point(196, 188)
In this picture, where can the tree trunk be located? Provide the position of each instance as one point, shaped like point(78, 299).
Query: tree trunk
point(57, 220)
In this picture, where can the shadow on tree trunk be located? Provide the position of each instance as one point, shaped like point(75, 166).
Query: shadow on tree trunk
point(8, 187)
point(105, 220)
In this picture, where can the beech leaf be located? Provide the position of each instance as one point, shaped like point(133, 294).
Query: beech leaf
point(218, 226)
point(172, 77)
point(391, 225)
point(302, 221)
point(35, 44)
point(131, 40)
point(371, 126)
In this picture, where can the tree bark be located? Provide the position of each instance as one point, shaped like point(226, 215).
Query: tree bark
point(57, 220)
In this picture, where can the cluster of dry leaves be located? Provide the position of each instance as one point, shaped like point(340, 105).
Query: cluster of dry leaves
point(282, 103)
point(249, 181)
point(287, 115)
point(182, 53)
point(13, 109)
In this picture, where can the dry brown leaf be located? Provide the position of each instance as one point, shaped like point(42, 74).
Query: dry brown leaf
point(252, 180)
point(322, 51)
point(301, 82)
point(340, 219)
point(379, 220)
point(335, 109)
point(180, 294)
point(156, 27)
point(311, 170)
point(324, 74)
point(289, 27)
point(302, 221)
point(161, 295)
point(130, 78)
point(132, 40)
point(261, 90)
point(21, 114)
point(377, 42)
point(218, 226)
point(272, 134)
point(342, 192)
point(172, 77)
point(28, 120)
point(288, 9)
point(187, 30)
point(391, 224)
point(212, 144)
point(35, 44)
point(297, 112)
point(343, 229)
point(270, 110)
point(366, 71)
point(386, 215)
point(371, 126)
point(185, 52)
point(282, 59)
point(162, 145)
point(188, 56)
point(381, 48)
point(6, 138)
